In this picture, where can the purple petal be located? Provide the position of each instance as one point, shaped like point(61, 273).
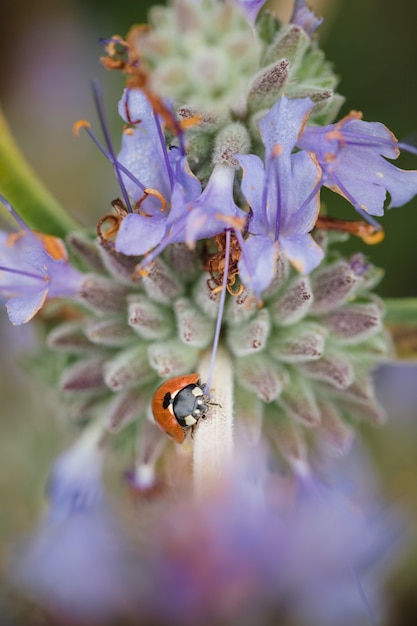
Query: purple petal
point(212, 212)
point(80, 569)
point(184, 177)
point(138, 234)
point(253, 181)
point(367, 178)
point(303, 252)
point(284, 122)
point(142, 152)
point(351, 154)
point(300, 216)
point(258, 263)
point(304, 17)
point(64, 280)
point(251, 7)
point(21, 310)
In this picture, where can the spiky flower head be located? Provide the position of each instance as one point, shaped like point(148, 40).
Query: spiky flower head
point(219, 262)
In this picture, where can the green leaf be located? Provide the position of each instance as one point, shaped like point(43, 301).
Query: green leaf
point(401, 319)
point(26, 193)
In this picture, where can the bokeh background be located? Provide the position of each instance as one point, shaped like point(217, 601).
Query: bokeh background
point(49, 52)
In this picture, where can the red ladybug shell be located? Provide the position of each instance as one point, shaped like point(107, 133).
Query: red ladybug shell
point(162, 405)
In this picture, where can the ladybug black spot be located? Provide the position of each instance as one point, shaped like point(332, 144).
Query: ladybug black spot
point(167, 400)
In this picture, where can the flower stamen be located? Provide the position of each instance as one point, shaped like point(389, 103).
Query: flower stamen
point(367, 232)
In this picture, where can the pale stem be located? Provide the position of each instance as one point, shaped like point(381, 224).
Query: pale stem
point(213, 440)
point(91, 438)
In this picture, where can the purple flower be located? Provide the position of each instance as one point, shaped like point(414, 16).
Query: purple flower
point(265, 550)
point(75, 481)
point(170, 206)
point(78, 564)
point(80, 569)
point(351, 153)
point(33, 267)
point(283, 196)
point(251, 7)
point(305, 17)
point(160, 178)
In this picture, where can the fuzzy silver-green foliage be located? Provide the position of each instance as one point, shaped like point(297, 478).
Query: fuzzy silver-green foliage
point(301, 359)
point(218, 68)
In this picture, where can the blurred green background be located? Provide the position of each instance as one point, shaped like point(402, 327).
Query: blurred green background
point(49, 52)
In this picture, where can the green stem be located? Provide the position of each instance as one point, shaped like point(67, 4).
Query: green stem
point(401, 319)
point(26, 193)
point(401, 311)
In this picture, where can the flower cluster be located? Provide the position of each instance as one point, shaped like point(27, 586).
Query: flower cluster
point(218, 260)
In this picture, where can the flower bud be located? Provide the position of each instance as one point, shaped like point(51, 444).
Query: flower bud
point(207, 300)
point(298, 401)
point(334, 369)
point(120, 266)
point(69, 337)
point(194, 329)
point(290, 42)
point(110, 332)
point(294, 303)
point(354, 322)
point(299, 344)
point(250, 337)
point(128, 368)
point(148, 319)
point(102, 295)
point(333, 286)
point(261, 375)
point(185, 260)
point(87, 251)
point(124, 408)
point(84, 375)
point(172, 358)
point(160, 282)
point(231, 140)
point(267, 84)
point(241, 307)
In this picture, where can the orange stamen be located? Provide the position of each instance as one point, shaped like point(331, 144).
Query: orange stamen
point(77, 126)
point(368, 233)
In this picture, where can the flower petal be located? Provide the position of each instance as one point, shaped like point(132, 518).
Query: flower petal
point(284, 122)
point(21, 309)
point(303, 252)
point(258, 263)
point(142, 152)
point(138, 234)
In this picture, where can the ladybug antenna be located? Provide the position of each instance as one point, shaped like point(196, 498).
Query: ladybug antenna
point(98, 101)
point(220, 313)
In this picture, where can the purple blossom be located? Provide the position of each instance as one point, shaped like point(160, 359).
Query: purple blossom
point(351, 153)
point(305, 17)
point(169, 204)
point(283, 196)
point(251, 7)
point(210, 214)
point(80, 568)
point(33, 267)
point(163, 173)
point(265, 550)
point(78, 564)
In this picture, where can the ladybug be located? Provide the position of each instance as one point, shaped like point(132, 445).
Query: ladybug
point(178, 404)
